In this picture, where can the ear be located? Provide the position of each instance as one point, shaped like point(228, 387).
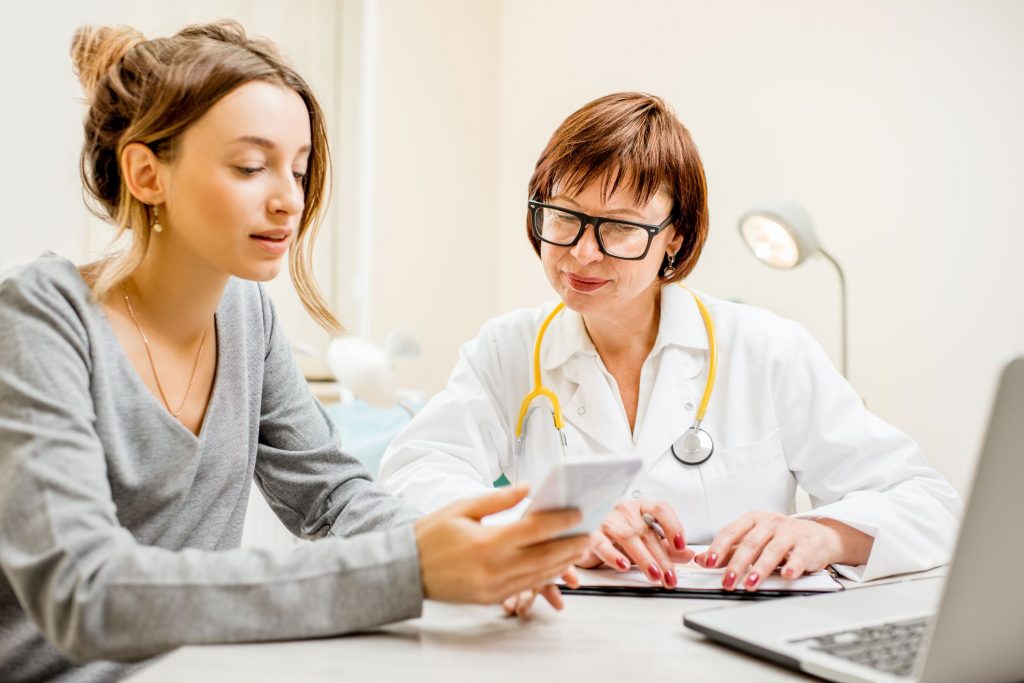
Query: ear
point(140, 171)
point(674, 244)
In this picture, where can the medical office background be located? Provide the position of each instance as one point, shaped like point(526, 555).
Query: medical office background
point(896, 123)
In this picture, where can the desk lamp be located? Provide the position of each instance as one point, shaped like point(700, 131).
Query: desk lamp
point(781, 234)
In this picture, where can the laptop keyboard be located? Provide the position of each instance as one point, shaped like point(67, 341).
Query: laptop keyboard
point(888, 647)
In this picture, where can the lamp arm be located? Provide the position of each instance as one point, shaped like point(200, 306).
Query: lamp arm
point(842, 308)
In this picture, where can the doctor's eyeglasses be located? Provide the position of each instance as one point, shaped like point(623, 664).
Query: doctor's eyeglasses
point(616, 238)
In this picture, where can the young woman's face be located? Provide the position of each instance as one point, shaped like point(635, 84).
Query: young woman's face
point(589, 281)
point(234, 189)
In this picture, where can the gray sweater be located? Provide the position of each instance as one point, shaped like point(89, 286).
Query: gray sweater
point(119, 528)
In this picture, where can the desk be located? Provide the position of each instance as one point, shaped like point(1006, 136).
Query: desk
point(596, 638)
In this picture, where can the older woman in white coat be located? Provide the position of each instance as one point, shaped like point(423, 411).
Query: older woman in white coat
point(618, 216)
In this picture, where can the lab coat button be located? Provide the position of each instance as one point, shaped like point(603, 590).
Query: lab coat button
point(688, 406)
point(636, 493)
point(581, 410)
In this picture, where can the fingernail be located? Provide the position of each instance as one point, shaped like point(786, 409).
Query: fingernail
point(752, 579)
point(730, 581)
point(678, 540)
point(670, 579)
point(788, 572)
point(654, 572)
point(711, 560)
point(622, 564)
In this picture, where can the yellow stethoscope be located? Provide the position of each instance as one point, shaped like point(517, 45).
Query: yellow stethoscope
point(692, 448)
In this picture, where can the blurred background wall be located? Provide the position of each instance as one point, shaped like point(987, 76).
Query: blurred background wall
point(896, 123)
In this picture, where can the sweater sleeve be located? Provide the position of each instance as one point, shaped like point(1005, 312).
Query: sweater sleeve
point(313, 486)
point(83, 579)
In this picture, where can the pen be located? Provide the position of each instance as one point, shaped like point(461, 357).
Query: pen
point(653, 524)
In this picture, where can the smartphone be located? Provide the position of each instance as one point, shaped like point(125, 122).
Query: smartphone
point(592, 485)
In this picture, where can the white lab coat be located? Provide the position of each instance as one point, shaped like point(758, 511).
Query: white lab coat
point(780, 415)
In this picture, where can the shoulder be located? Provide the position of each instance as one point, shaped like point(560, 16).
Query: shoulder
point(522, 322)
point(755, 331)
point(505, 342)
point(745, 321)
point(510, 334)
point(246, 308)
point(49, 289)
point(46, 315)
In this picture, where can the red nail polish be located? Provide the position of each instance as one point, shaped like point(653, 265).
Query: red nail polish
point(622, 564)
point(752, 580)
point(654, 572)
point(670, 579)
point(679, 542)
point(711, 560)
point(730, 581)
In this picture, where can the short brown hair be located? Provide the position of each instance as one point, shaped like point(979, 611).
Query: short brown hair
point(634, 140)
point(150, 92)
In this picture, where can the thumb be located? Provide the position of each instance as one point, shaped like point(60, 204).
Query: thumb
point(501, 499)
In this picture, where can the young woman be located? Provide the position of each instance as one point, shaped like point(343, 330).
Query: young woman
point(141, 395)
point(617, 214)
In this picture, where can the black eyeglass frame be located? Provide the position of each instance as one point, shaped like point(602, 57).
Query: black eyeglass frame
point(596, 221)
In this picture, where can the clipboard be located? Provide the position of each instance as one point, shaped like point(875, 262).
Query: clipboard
point(694, 581)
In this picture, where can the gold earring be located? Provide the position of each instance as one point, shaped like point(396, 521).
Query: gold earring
point(156, 227)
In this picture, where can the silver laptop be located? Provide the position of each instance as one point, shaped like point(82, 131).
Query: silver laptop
point(967, 627)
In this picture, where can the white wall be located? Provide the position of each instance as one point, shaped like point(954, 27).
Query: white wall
point(435, 174)
point(898, 126)
point(894, 122)
point(41, 129)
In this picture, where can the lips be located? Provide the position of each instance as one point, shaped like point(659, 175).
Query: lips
point(274, 241)
point(584, 284)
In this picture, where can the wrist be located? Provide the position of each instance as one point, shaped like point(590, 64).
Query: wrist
point(847, 545)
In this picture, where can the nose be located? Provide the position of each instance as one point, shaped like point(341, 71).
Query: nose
point(587, 250)
point(288, 196)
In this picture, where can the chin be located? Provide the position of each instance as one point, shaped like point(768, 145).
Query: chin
point(263, 272)
point(582, 303)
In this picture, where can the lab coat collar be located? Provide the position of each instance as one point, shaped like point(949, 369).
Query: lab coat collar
point(681, 325)
point(566, 336)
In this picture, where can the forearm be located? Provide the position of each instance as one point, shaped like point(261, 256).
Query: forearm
point(135, 602)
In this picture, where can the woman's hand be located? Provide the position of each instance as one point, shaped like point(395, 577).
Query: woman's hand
point(625, 539)
point(757, 543)
point(520, 603)
point(463, 561)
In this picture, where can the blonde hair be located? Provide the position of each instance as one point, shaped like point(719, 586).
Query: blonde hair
point(150, 92)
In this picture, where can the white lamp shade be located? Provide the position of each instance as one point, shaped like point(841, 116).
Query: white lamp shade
point(365, 369)
point(779, 233)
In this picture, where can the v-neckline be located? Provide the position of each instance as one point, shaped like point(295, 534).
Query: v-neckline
point(140, 386)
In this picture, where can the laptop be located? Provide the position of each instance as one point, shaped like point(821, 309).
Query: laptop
point(966, 627)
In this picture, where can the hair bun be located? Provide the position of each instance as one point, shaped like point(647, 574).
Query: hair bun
point(95, 49)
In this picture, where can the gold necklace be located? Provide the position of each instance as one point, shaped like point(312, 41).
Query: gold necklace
point(152, 365)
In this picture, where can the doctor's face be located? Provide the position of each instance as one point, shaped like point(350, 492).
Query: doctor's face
point(591, 282)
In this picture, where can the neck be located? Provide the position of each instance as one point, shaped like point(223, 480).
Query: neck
point(630, 330)
point(177, 292)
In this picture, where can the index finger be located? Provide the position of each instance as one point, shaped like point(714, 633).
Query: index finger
point(540, 526)
point(720, 550)
point(664, 515)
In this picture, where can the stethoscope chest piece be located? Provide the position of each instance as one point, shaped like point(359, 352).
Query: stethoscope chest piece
point(694, 447)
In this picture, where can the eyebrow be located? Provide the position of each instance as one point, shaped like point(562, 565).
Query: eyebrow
point(263, 142)
point(633, 212)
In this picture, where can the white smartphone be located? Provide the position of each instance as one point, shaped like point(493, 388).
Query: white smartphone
point(591, 485)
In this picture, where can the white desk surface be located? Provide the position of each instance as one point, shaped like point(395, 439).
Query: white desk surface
point(596, 638)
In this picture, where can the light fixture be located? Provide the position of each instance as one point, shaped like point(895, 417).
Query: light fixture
point(781, 234)
point(367, 370)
